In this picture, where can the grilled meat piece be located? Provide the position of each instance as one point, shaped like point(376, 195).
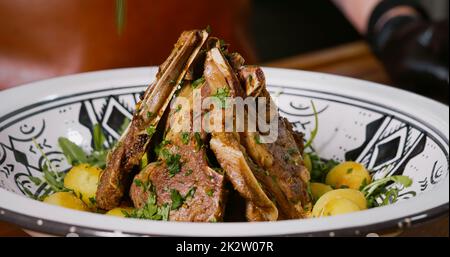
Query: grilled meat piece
point(193, 176)
point(127, 154)
point(238, 168)
point(282, 160)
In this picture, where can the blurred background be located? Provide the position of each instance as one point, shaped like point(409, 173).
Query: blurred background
point(41, 39)
point(45, 38)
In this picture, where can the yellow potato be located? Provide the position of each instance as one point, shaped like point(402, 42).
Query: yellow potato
point(307, 162)
point(318, 189)
point(83, 180)
point(352, 195)
point(339, 206)
point(118, 211)
point(66, 199)
point(349, 175)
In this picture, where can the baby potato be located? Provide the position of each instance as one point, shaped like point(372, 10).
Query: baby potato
point(83, 180)
point(355, 196)
point(348, 174)
point(339, 206)
point(118, 211)
point(66, 199)
point(307, 162)
point(318, 189)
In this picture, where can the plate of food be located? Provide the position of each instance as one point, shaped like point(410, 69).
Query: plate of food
point(206, 145)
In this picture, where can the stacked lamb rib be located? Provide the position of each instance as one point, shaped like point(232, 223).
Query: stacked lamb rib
point(270, 177)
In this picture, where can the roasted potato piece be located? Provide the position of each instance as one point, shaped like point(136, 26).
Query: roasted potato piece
point(348, 175)
point(66, 199)
point(118, 211)
point(319, 189)
point(83, 180)
point(339, 206)
point(352, 195)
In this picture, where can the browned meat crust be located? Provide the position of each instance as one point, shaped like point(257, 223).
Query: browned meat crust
point(115, 179)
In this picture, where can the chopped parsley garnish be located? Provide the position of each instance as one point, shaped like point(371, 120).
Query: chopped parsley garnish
point(319, 168)
point(198, 82)
point(292, 151)
point(151, 130)
point(190, 193)
point(208, 29)
point(189, 172)
point(92, 200)
point(257, 139)
point(198, 140)
point(178, 199)
point(185, 137)
point(138, 183)
point(179, 107)
point(150, 210)
point(350, 171)
point(161, 145)
point(209, 192)
point(221, 96)
point(150, 114)
point(172, 161)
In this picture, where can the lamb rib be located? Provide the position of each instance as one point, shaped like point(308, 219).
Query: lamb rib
point(286, 176)
point(133, 144)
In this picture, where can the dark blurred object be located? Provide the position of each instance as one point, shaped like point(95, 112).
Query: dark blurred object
point(46, 38)
point(414, 51)
point(283, 28)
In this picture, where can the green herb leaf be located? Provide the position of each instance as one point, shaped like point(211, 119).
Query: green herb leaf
point(150, 210)
point(316, 127)
point(98, 137)
point(138, 183)
point(221, 96)
point(378, 190)
point(172, 161)
point(177, 199)
point(37, 181)
point(179, 107)
point(74, 154)
point(198, 82)
point(190, 193)
point(210, 192)
point(151, 130)
point(198, 140)
point(257, 139)
point(319, 167)
point(92, 200)
point(185, 138)
point(120, 15)
point(208, 29)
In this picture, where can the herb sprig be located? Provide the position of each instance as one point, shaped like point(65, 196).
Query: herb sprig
point(378, 190)
point(75, 155)
point(316, 127)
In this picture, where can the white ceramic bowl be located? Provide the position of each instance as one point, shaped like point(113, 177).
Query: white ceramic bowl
point(389, 130)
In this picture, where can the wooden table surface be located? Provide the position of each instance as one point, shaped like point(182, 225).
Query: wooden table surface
point(352, 60)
